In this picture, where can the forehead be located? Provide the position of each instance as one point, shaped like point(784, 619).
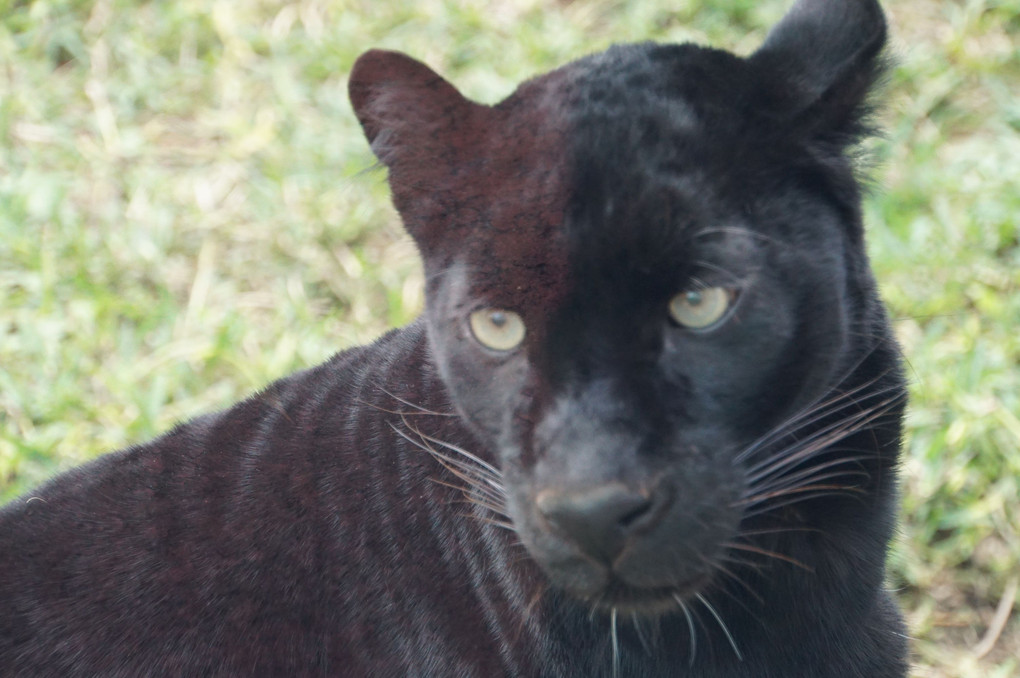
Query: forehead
point(658, 135)
point(614, 161)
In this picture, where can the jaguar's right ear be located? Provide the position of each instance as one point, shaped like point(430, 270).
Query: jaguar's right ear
point(406, 110)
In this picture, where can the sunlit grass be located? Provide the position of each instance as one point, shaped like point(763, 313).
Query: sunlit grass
point(187, 211)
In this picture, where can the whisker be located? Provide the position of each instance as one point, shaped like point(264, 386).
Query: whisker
point(802, 478)
point(403, 413)
point(491, 521)
point(778, 530)
point(819, 440)
point(497, 523)
point(470, 491)
point(459, 450)
point(640, 633)
point(738, 231)
point(484, 483)
point(474, 476)
point(741, 562)
point(757, 499)
point(490, 494)
point(722, 569)
point(701, 263)
point(690, 626)
point(820, 415)
point(774, 506)
point(755, 505)
point(768, 554)
point(498, 509)
point(467, 474)
point(521, 558)
point(483, 472)
point(810, 473)
point(616, 643)
point(823, 407)
point(739, 600)
point(490, 502)
point(725, 630)
point(421, 410)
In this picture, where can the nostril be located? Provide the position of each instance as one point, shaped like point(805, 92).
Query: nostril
point(597, 519)
point(632, 519)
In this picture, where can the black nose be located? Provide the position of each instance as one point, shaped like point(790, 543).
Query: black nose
point(597, 519)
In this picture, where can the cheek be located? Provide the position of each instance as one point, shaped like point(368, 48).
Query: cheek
point(728, 371)
point(486, 389)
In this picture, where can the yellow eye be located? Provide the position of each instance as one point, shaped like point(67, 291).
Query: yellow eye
point(497, 328)
point(700, 308)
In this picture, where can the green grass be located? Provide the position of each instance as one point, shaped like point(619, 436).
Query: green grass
point(185, 216)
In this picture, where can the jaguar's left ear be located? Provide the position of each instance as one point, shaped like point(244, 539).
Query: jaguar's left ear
point(409, 114)
point(820, 61)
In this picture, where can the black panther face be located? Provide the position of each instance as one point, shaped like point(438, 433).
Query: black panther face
point(643, 295)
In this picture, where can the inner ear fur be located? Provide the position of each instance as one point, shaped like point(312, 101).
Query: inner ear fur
point(821, 61)
point(405, 108)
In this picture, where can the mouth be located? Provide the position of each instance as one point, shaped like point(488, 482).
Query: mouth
point(622, 598)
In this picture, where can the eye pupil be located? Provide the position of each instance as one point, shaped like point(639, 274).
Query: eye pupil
point(694, 298)
point(498, 319)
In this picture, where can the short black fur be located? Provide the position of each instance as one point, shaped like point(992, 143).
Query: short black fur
point(635, 483)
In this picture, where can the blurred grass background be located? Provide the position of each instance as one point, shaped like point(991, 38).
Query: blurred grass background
point(185, 216)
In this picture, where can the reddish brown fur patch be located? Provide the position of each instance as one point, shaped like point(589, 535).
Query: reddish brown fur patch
point(480, 184)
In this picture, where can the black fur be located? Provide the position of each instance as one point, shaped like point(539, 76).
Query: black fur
point(617, 495)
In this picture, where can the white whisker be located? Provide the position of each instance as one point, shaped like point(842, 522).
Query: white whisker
point(690, 626)
point(722, 625)
point(640, 633)
point(484, 486)
point(616, 643)
point(459, 450)
point(819, 441)
point(814, 414)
